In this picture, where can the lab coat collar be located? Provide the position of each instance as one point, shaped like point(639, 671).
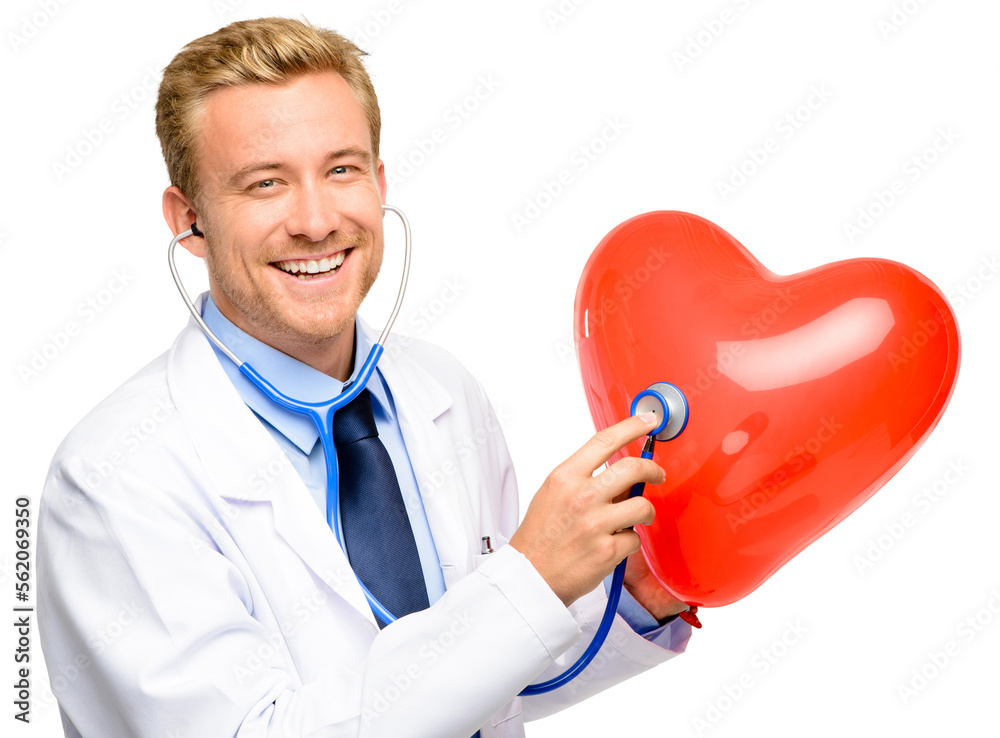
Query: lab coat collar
point(237, 452)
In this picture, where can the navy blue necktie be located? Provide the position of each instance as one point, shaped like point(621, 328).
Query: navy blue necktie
point(376, 527)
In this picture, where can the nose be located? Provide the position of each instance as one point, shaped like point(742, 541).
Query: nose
point(313, 213)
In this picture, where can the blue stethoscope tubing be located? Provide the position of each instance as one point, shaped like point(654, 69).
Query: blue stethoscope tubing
point(614, 595)
point(321, 414)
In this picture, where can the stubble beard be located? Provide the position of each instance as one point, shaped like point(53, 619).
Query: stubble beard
point(259, 305)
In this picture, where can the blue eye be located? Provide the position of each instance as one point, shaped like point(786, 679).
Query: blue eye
point(265, 183)
point(342, 169)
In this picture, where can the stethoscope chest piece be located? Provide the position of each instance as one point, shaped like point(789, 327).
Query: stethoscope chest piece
point(669, 405)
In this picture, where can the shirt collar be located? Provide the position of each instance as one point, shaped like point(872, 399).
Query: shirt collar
point(292, 377)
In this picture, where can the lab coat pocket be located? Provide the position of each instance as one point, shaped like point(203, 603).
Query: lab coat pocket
point(495, 541)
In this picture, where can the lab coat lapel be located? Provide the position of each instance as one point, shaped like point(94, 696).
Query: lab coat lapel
point(248, 467)
point(420, 399)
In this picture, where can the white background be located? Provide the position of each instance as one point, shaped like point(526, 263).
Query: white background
point(500, 297)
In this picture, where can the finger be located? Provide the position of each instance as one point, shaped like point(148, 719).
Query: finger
point(635, 511)
point(626, 544)
point(619, 478)
point(607, 442)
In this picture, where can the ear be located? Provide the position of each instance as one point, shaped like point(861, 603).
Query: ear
point(380, 176)
point(180, 213)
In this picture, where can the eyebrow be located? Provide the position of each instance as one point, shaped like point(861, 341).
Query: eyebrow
point(271, 165)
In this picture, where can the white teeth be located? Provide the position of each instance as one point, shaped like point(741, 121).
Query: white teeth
point(312, 266)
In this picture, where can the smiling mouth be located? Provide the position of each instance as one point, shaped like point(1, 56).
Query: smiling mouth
point(312, 268)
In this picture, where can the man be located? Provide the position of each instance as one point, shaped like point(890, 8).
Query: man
point(193, 587)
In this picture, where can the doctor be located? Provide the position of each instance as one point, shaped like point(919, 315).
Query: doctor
point(189, 584)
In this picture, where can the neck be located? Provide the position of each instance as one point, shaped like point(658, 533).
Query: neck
point(332, 356)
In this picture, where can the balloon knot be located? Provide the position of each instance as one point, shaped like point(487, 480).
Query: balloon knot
point(690, 617)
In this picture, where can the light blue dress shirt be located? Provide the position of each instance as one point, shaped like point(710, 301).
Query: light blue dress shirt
point(299, 439)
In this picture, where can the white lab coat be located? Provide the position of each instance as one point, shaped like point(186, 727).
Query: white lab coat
point(189, 585)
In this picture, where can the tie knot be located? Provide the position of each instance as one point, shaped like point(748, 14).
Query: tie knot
point(355, 420)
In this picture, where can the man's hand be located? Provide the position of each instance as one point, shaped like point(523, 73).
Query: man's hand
point(573, 531)
point(642, 585)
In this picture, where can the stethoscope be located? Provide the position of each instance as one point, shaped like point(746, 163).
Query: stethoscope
point(669, 404)
point(321, 413)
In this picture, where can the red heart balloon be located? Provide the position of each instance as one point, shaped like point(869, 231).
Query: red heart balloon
point(806, 393)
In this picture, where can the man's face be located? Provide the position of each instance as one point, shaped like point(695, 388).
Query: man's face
point(289, 192)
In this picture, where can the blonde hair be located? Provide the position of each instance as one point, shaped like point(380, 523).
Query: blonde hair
point(261, 51)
